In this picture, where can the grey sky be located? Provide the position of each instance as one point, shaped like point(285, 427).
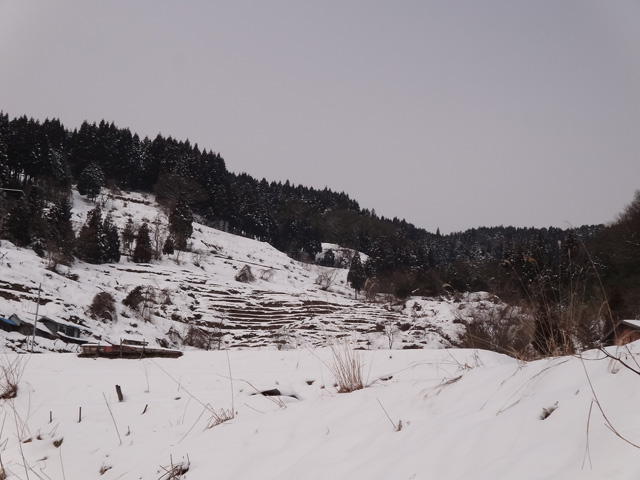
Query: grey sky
point(451, 114)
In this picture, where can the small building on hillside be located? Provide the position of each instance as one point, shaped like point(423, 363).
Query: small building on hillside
point(48, 328)
point(626, 331)
point(61, 328)
point(9, 324)
point(135, 340)
point(25, 327)
point(12, 193)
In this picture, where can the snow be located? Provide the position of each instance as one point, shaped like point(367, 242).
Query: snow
point(633, 323)
point(287, 306)
point(464, 414)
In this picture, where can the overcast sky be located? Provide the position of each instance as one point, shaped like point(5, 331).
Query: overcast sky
point(451, 114)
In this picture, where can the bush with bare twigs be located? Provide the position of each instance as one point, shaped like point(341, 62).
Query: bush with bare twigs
point(567, 300)
point(245, 275)
point(204, 338)
point(10, 373)
point(500, 328)
point(326, 278)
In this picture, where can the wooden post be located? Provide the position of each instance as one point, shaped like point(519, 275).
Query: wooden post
point(119, 392)
point(50, 416)
point(79, 414)
point(33, 340)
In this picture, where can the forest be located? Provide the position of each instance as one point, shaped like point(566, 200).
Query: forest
point(576, 283)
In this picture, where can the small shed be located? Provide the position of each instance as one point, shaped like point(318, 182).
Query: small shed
point(135, 340)
point(9, 324)
point(26, 328)
point(48, 328)
point(12, 192)
point(626, 331)
point(61, 327)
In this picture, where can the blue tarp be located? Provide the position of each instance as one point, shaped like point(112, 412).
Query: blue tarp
point(8, 321)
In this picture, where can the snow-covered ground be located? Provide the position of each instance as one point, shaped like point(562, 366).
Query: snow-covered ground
point(288, 305)
point(425, 414)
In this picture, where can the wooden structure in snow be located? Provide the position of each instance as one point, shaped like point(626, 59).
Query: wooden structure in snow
point(626, 331)
point(125, 350)
point(48, 328)
point(9, 324)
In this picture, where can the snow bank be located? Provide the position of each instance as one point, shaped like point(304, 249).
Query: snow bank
point(447, 414)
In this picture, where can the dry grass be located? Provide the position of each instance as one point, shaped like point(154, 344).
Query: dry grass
point(346, 368)
point(10, 373)
point(175, 471)
point(219, 417)
point(502, 328)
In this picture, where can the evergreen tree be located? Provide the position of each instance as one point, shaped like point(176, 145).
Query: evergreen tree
point(111, 240)
point(61, 235)
point(329, 259)
point(356, 276)
point(91, 180)
point(91, 247)
point(38, 228)
point(143, 252)
point(168, 248)
point(4, 157)
point(180, 225)
point(128, 235)
point(3, 209)
point(17, 224)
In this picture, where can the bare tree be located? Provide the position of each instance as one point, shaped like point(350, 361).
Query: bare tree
point(390, 331)
point(326, 278)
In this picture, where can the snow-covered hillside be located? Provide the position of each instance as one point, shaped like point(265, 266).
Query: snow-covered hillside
point(445, 414)
point(289, 304)
point(425, 413)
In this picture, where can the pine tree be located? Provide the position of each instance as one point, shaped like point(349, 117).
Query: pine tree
point(168, 248)
point(143, 252)
point(128, 235)
point(3, 210)
point(91, 180)
point(329, 259)
point(111, 240)
point(61, 235)
point(356, 276)
point(91, 246)
point(180, 225)
point(17, 224)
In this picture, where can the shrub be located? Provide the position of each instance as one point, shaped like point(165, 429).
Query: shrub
point(203, 339)
point(134, 298)
point(501, 328)
point(143, 251)
point(142, 299)
point(103, 307)
point(326, 278)
point(245, 275)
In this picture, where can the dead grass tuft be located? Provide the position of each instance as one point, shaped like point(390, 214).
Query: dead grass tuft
point(10, 373)
point(346, 368)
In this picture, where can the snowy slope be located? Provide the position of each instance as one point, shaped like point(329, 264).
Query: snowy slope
point(287, 305)
point(463, 414)
point(426, 413)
